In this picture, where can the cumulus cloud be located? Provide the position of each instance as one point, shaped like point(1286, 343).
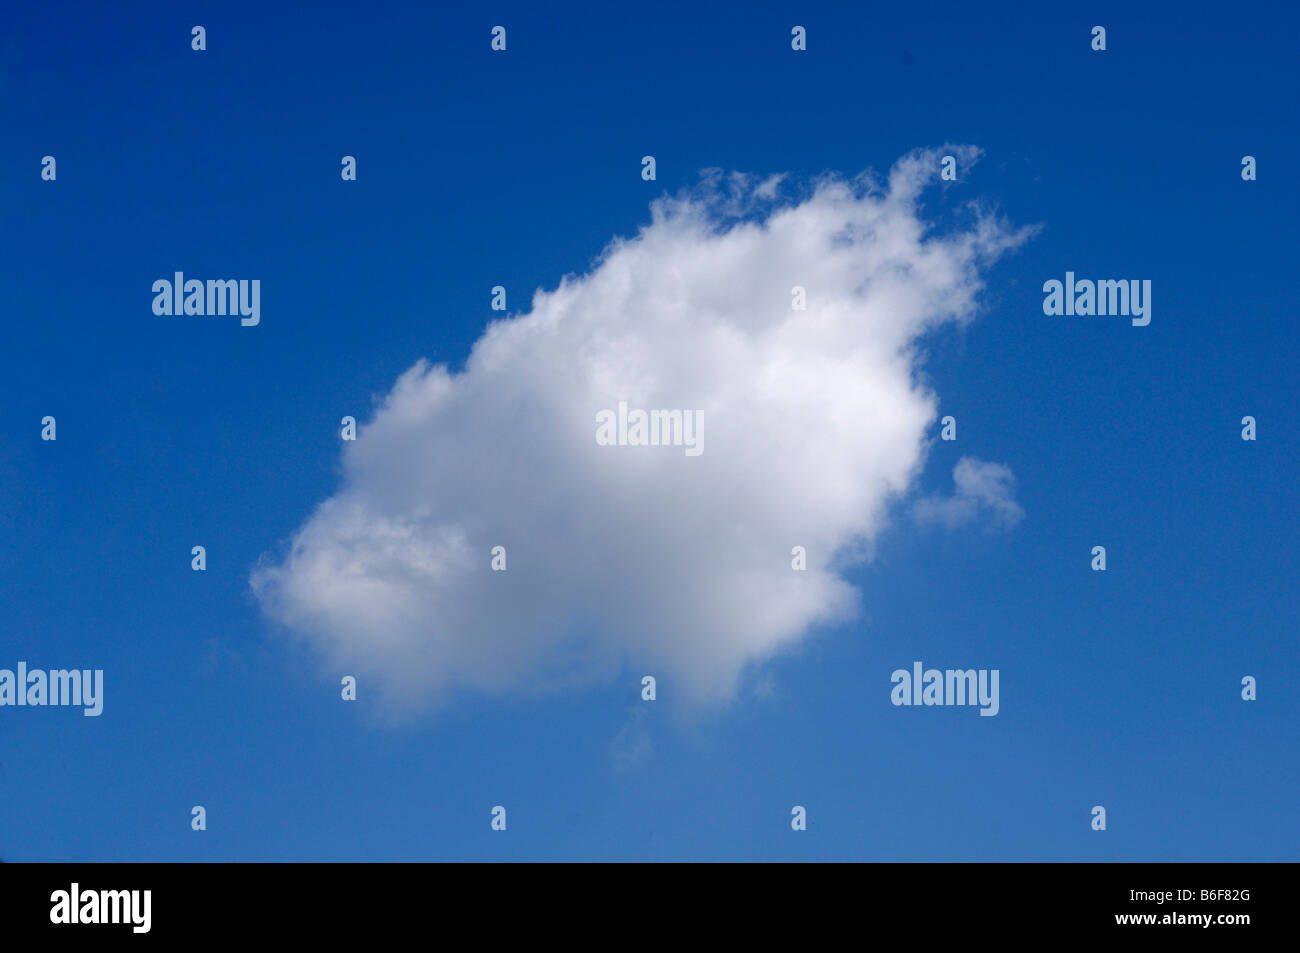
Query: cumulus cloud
point(678, 565)
point(980, 489)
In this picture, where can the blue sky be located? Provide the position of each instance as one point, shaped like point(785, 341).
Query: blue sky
point(476, 169)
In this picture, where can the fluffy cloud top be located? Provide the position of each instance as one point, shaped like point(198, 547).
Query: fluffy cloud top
point(979, 488)
point(678, 565)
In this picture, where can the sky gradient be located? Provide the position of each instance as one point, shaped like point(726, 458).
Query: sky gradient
point(476, 169)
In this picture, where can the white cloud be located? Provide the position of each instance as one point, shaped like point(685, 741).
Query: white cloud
point(979, 488)
point(677, 565)
point(633, 746)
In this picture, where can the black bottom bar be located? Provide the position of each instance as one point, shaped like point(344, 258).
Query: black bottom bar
point(661, 903)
